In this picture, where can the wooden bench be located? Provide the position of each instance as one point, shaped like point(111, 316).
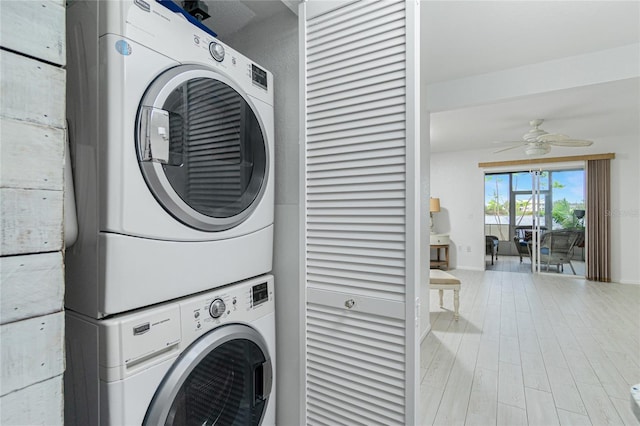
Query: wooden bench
point(441, 280)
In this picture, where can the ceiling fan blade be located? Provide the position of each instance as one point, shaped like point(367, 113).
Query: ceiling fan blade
point(506, 142)
point(558, 139)
point(552, 137)
point(508, 148)
point(571, 142)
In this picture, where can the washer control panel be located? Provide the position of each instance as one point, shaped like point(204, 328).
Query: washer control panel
point(242, 303)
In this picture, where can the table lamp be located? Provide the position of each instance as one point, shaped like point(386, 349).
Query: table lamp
point(434, 207)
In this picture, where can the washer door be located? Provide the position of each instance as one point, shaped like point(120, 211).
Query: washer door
point(224, 378)
point(202, 148)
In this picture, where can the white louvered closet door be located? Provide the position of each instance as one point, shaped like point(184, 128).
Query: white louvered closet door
point(361, 210)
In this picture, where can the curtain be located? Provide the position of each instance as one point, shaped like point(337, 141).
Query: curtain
point(598, 221)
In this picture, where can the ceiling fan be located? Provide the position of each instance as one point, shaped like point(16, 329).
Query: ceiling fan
point(538, 142)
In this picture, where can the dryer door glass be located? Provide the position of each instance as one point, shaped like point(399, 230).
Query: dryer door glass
point(202, 148)
point(223, 382)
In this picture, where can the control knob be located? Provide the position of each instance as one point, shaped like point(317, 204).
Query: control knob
point(217, 51)
point(217, 308)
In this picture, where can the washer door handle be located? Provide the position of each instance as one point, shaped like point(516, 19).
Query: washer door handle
point(262, 381)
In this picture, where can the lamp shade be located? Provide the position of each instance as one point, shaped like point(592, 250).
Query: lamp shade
point(434, 205)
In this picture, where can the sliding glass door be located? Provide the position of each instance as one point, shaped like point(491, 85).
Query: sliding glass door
point(520, 207)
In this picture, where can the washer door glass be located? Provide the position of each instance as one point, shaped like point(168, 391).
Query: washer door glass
point(224, 382)
point(202, 148)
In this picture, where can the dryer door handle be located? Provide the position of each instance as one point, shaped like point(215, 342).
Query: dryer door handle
point(154, 135)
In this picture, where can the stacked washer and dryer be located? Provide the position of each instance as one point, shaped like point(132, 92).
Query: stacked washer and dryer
point(170, 311)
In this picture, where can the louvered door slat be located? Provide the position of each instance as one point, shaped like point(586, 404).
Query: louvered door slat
point(366, 100)
point(346, 120)
point(328, 160)
point(373, 128)
point(353, 84)
point(356, 382)
point(338, 164)
point(342, 25)
point(344, 243)
point(319, 191)
point(358, 34)
point(365, 195)
point(382, 373)
point(355, 169)
point(349, 225)
point(360, 283)
point(355, 59)
point(350, 97)
point(362, 46)
point(358, 251)
point(354, 111)
point(347, 390)
point(393, 169)
point(354, 237)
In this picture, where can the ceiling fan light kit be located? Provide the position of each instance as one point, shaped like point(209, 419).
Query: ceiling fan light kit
point(538, 142)
point(536, 148)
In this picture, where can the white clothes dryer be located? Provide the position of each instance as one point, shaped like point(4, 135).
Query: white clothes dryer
point(207, 359)
point(171, 136)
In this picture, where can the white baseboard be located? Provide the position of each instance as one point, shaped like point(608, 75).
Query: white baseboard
point(630, 282)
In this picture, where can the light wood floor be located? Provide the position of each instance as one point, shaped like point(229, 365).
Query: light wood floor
point(531, 350)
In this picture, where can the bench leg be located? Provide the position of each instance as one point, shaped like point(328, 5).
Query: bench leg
point(456, 304)
point(441, 293)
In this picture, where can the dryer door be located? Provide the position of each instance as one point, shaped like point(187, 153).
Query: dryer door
point(202, 148)
point(224, 378)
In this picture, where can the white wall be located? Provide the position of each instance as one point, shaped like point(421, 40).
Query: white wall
point(273, 43)
point(459, 183)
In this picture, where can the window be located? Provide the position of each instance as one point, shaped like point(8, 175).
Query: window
point(496, 206)
point(509, 201)
point(568, 199)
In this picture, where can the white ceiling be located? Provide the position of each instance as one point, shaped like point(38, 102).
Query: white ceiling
point(463, 38)
point(467, 38)
point(599, 113)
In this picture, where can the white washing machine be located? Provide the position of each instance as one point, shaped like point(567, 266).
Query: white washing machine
point(207, 359)
point(171, 138)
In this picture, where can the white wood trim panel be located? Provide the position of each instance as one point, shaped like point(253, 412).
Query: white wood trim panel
point(40, 404)
point(365, 305)
point(34, 28)
point(31, 221)
point(32, 118)
point(31, 156)
point(31, 285)
point(31, 351)
point(31, 90)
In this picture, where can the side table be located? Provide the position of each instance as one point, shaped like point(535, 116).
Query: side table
point(439, 242)
point(438, 262)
